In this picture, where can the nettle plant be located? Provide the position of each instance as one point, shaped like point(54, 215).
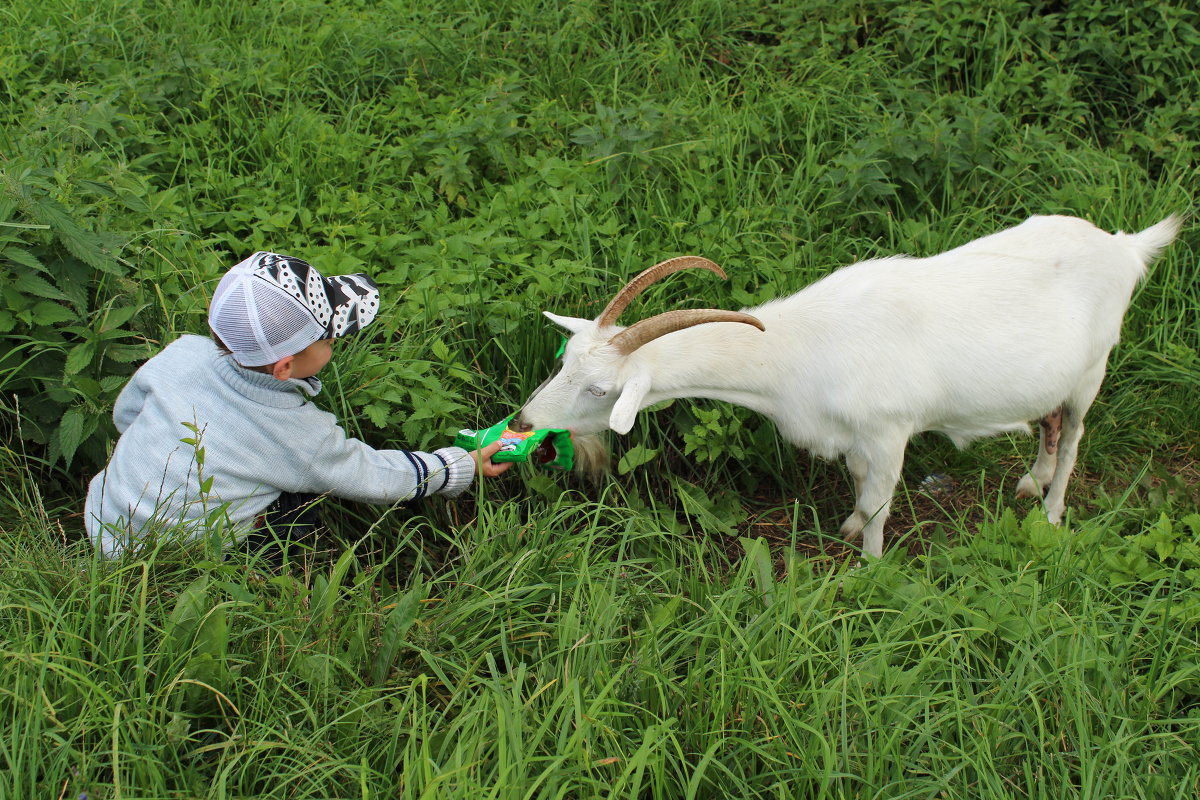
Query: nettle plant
point(67, 344)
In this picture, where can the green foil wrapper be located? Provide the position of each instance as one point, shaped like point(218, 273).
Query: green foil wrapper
point(549, 447)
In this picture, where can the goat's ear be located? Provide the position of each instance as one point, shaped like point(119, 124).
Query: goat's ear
point(572, 324)
point(629, 403)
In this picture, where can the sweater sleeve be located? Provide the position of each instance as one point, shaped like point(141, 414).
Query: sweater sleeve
point(349, 468)
point(129, 402)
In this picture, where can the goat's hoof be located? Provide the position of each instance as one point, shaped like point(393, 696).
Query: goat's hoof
point(1028, 487)
point(852, 528)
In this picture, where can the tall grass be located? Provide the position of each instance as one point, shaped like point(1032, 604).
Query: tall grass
point(689, 628)
point(579, 649)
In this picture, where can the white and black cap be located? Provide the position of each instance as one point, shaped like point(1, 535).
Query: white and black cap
point(272, 306)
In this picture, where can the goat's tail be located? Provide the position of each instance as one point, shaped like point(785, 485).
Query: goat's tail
point(1147, 244)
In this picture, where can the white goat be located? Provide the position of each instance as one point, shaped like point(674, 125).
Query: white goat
point(1012, 327)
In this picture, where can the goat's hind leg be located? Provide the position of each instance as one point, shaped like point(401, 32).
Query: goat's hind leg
point(1034, 482)
point(854, 524)
point(1068, 444)
point(1056, 491)
point(879, 465)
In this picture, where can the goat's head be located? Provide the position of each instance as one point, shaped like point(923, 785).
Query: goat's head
point(597, 385)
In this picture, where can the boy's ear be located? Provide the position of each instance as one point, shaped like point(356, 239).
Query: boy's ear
point(282, 369)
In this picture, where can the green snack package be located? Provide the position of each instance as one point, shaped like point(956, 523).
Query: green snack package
point(549, 447)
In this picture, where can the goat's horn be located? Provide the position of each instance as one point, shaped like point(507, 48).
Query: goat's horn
point(638, 285)
point(650, 329)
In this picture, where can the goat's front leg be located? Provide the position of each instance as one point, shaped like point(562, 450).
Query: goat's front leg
point(876, 469)
point(1034, 482)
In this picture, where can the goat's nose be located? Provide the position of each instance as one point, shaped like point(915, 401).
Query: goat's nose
point(519, 425)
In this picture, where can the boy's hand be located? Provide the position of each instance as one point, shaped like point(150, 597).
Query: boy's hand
point(483, 458)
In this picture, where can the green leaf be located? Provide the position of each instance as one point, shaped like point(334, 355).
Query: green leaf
point(210, 645)
point(135, 202)
point(20, 255)
point(8, 207)
point(70, 433)
point(326, 597)
point(704, 509)
point(634, 458)
point(127, 353)
point(399, 620)
point(758, 556)
point(378, 414)
point(212, 638)
point(189, 608)
point(88, 387)
point(80, 356)
point(29, 283)
point(664, 614)
point(49, 313)
point(97, 188)
point(118, 316)
point(84, 245)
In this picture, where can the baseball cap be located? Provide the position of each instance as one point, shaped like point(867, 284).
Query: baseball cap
point(272, 306)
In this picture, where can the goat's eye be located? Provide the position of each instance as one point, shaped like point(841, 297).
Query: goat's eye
point(596, 391)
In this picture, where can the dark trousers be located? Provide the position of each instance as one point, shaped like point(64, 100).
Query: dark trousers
point(291, 518)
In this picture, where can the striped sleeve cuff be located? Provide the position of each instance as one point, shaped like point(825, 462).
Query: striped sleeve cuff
point(459, 472)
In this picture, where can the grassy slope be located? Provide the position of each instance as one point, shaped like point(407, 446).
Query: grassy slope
point(489, 160)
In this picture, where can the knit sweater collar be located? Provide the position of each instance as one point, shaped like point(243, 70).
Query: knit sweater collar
point(263, 388)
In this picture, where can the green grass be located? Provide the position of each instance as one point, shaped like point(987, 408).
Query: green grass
point(690, 629)
point(581, 650)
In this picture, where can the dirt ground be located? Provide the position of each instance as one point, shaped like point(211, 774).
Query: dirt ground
point(955, 503)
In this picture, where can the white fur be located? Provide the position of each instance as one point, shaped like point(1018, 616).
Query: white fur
point(972, 342)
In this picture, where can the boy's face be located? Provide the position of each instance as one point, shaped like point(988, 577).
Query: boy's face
point(310, 360)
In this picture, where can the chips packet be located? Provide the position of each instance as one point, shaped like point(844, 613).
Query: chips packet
point(550, 447)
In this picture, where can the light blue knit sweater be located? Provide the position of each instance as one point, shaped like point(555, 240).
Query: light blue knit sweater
point(260, 436)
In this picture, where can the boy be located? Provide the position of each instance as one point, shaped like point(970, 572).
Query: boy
point(242, 400)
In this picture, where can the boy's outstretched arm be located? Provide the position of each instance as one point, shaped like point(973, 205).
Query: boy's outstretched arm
point(336, 464)
point(483, 457)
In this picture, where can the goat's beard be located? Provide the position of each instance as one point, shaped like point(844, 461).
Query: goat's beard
point(591, 455)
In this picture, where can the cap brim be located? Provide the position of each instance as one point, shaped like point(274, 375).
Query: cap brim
point(355, 302)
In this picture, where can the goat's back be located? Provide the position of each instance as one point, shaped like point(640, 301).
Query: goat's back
point(971, 341)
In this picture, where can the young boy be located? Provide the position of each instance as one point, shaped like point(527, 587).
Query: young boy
point(242, 400)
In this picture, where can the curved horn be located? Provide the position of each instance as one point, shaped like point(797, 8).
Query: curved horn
point(638, 285)
point(650, 329)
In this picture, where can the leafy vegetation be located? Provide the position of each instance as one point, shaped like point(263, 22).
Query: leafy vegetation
point(675, 631)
